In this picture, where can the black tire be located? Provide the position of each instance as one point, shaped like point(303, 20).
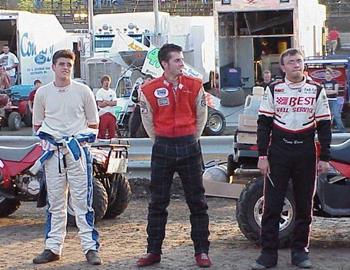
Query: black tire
point(141, 132)
point(120, 199)
point(27, 118)
point(232, 165)
point(346, 119)
point(231, 97)
point(14, 121)
point(8, 206)
point(216, 123)
point(136, 129)
point(99, 204)
point(123, 129)
point(249, 212)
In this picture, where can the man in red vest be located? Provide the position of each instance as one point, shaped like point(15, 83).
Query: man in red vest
point(174, 114)
point(333, 37)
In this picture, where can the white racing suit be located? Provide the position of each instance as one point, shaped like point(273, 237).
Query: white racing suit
point(68, 165)
point(289, 115)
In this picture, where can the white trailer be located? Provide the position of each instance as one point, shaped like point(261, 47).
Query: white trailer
point(34, 38)
point(250, 34)
point(138, 25)
point(194, 34)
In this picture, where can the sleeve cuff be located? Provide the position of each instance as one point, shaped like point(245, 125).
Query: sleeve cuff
point(324, 158)
point(262, 152)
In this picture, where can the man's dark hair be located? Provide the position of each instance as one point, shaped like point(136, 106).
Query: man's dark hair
point(63, 54)
point(290, 52)
point(165, 50)
point(106, 78)
point(37, 81)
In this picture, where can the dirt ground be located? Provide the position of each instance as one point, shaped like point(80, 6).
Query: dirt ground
point(124, 239)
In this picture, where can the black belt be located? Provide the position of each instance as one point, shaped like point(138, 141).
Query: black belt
point(175, 140)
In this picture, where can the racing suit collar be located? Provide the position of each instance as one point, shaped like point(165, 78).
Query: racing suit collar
point(167, 83)
point(293, 85)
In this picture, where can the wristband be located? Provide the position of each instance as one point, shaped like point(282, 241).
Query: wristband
point(262, 157)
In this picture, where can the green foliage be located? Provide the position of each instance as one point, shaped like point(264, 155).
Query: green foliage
point(25, 5)
point(48, 5)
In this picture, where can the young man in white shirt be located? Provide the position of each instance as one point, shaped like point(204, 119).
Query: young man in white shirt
point(10, 62)
point(106, 101)
point(65, 109)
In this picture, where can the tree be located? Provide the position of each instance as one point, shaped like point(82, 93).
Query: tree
point(25, 5)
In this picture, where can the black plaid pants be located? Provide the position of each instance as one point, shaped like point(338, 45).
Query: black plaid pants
point(182, 155)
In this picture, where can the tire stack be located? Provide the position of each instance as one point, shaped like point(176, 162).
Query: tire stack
point(232, 96)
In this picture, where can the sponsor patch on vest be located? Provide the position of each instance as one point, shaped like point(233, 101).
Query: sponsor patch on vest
point(163, 101)
point(161, 92)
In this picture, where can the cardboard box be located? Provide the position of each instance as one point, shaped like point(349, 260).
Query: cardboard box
point(247, 123)
point(247, 138)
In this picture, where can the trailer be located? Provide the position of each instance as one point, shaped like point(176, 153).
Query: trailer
point(251, 34)
point(34, 38)
point(194, 34)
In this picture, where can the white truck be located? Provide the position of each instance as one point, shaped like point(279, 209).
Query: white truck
point(250, 34)
point(33, 38)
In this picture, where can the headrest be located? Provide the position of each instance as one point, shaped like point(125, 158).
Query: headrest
point(258, 91)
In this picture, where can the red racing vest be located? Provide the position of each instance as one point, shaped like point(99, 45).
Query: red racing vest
point(174, 110)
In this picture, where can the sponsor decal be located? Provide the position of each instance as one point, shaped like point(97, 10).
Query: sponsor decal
point(282, 110)
point(279, 90)
point(161, 92)
point(310, 90)
point(295, 109)
point(282, 100)
point(303, 110)
point(295, 101)
point(320, 74)
point(163, 101)
point(251, 2)
point(40, 59)
point(152, 57)
point(28, 48)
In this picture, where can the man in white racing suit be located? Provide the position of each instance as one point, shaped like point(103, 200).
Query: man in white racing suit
point(290, 112)
point(64, 110)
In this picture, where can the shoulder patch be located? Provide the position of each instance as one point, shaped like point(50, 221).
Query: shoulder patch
point(274, 86)
point(195, 81)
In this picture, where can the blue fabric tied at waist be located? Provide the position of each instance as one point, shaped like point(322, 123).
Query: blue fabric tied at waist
point(72, 143)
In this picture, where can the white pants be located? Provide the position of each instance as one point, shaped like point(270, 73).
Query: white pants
point(78, 176)
point(333, 45)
